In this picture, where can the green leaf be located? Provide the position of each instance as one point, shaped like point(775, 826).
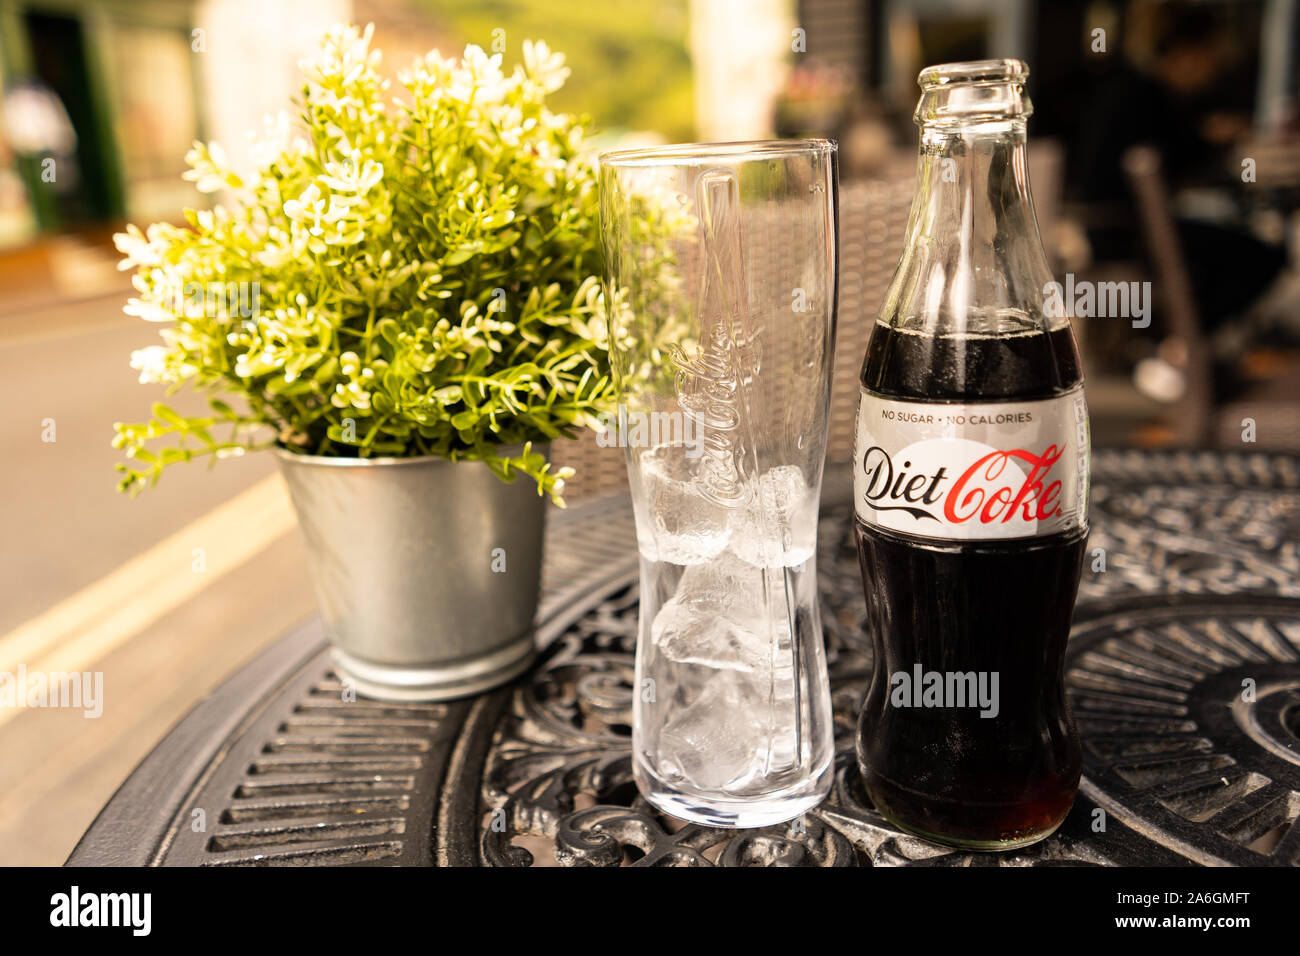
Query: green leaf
point(164, 413)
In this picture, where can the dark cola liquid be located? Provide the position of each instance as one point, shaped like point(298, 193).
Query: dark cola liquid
point(1002, 607)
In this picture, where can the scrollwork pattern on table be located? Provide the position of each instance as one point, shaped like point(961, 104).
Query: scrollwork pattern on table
point(557, 787)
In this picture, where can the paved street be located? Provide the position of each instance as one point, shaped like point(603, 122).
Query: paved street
point(164, 594)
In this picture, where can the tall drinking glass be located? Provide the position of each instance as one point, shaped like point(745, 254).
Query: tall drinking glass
point(720, 290)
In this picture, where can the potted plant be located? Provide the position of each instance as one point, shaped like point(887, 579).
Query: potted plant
point(401, 302)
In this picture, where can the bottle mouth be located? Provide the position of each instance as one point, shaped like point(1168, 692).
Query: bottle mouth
point(974, 91)
point(974, 71)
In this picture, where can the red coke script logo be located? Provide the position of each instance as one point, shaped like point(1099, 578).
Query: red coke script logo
point(987, 490)
point(993, 502)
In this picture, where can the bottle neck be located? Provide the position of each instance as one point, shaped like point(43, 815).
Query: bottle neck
point(973, 261)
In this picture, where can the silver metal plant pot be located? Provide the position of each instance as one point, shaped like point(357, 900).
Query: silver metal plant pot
point(426, 571)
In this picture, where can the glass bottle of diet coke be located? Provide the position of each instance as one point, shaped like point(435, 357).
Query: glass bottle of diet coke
point(971, 490)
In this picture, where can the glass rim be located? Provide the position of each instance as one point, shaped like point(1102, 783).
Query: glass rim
point(689, 153)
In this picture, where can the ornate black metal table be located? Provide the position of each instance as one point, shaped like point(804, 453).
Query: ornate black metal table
point(1191, 598)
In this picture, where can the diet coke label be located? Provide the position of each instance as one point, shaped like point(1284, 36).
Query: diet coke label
point(980, 471)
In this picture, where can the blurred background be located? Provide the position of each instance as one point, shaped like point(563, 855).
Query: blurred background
point(1165, 149)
